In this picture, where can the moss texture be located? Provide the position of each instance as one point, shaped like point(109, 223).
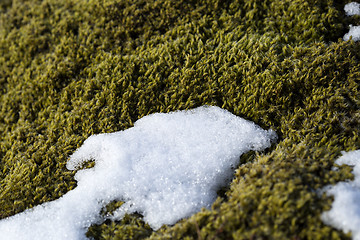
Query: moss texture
point(69, 69)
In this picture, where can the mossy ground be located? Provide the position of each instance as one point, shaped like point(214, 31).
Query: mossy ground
point(69, 69)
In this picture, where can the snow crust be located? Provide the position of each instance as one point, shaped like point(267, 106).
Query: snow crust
point(167, 167)
point(345, 212)
point(351, 9)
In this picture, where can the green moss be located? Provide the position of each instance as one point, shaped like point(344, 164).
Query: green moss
point(71, 69)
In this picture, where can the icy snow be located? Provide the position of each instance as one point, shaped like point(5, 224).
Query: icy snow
point(345, 212)
point(167, 167)
point(351, 9)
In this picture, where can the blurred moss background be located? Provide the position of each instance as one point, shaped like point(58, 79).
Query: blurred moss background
point(69, 69)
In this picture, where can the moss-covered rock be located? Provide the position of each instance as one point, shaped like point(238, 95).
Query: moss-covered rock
point(69, 69)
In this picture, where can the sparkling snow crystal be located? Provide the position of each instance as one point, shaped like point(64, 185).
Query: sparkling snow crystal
point(167, 167)
point(345, 212)
point(350, 10)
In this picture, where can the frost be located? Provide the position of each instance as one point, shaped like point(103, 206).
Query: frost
point(350, 10)
point(345, 212)
point(167, 167)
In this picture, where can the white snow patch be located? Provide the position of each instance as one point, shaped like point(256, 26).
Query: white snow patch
point(351, 9)
point(167, 167)
point(354, 32)
point(345, 212)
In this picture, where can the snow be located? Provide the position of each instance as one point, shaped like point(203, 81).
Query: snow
point(354, 32)
point(351, 9)
point(345, 212)
point(167, 167)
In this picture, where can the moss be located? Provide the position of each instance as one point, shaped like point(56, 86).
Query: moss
point(71, 69)
point(130, 227)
